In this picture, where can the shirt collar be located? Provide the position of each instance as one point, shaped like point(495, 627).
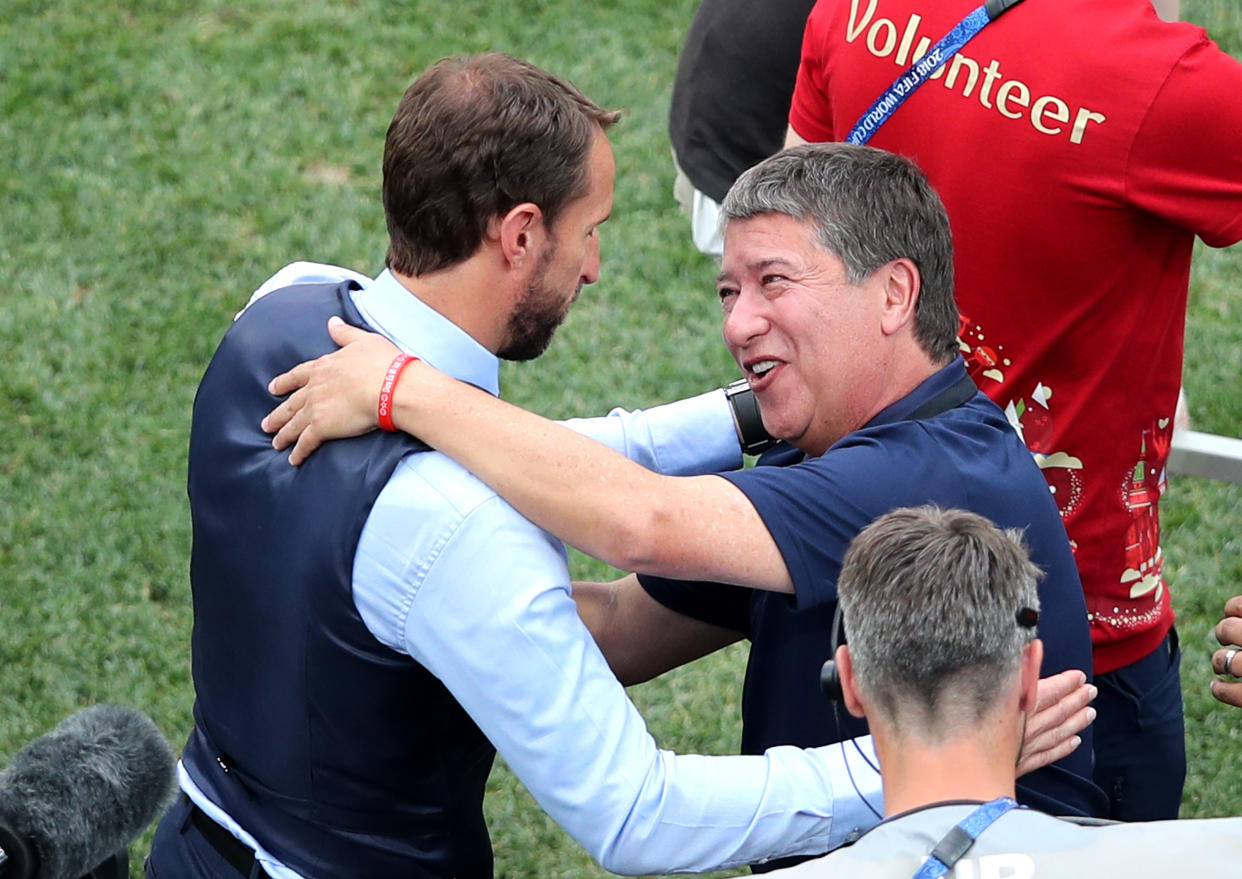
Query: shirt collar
point(936, 383)
point(417, 328)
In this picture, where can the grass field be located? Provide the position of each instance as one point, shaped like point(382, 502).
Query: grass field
point(162, 157)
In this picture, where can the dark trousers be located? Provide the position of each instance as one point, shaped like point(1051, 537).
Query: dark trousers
point(1140, 736)
point(179, 851)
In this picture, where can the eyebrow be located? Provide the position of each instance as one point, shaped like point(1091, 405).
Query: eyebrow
point(757, 266)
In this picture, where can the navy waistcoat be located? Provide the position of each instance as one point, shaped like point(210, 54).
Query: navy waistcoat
point(341, 756)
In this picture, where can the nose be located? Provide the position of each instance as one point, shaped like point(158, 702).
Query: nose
point(745, 319)
point(590, 266)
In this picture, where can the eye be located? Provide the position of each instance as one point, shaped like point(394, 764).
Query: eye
point(727, 296)
point(767, 280)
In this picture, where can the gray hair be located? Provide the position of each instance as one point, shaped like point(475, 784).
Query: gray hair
point(929, 598)
point(869, 207)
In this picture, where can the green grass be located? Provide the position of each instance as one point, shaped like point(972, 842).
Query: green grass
point(161, 158)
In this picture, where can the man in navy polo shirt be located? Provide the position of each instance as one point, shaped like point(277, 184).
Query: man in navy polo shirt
point(836, 286)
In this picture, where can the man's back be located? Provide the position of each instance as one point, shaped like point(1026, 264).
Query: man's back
point(1029, 843)
point(309, 732)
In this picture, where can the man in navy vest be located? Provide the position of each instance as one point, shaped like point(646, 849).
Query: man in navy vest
point(371, 626)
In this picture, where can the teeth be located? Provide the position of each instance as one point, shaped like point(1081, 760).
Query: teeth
point(762, 366)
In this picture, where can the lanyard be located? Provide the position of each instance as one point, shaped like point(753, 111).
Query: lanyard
point(903, 86)
point(960, 838)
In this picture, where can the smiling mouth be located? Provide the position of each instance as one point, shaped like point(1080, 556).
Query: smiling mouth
point(757, 372)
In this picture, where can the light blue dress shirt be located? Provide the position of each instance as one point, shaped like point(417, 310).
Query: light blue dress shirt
point(448, 573)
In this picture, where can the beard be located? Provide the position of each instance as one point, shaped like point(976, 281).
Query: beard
point(537, 314)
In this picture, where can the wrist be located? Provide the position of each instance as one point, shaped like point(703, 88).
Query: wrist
point(388, 387)
point(747, 421)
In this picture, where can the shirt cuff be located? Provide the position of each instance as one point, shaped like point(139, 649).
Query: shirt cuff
point(687, 438)
point(857, 790)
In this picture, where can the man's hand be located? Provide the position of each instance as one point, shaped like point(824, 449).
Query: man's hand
point(1225, 660)
point(333, 396)
point(1062, 710)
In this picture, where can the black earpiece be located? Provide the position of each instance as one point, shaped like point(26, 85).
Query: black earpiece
point(830, 681)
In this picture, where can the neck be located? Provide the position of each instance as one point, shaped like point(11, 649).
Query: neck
point(979, 766)
point(464, 293)
point(890, 379)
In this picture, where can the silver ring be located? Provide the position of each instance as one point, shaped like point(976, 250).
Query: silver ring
point(1228, 664)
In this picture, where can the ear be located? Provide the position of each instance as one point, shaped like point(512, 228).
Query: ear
point(901, 285)
point(520, 234)
point(849, 683)
point(1032, 659)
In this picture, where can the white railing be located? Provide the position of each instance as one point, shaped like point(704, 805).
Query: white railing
point(1206, 454)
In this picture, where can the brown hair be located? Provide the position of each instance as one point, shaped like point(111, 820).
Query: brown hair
point(472, 137)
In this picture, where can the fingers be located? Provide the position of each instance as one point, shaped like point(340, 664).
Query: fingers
point(1226, 661)
point(1063, 713)
point(308, 441)
point(276, 420)
point(342, 333)
point(290, 381)
point(291, 430)
point(1054, 745)
point(1229, 693)
point(1053, 733)
point(1056, 687)
point(1229, 630)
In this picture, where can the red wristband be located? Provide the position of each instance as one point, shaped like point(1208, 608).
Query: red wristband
point(400, 362)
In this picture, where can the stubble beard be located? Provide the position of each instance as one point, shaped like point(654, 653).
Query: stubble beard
point(536, 315)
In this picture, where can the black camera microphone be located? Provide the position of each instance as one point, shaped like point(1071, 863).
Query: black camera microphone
point(70, 799)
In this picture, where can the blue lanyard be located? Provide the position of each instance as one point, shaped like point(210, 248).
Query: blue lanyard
point(959, 840)
point(904, 86)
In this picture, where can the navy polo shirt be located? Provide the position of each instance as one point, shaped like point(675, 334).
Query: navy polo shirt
point(967, 457)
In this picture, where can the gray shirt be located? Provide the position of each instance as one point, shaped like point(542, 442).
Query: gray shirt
point(1025, 843)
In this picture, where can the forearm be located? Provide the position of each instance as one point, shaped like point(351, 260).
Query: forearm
point(588, 495)
point(567, 729)
point(687, 437)
point(564, 482)
point(641, 638)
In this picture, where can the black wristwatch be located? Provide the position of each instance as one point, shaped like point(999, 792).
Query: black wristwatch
point(746, 419)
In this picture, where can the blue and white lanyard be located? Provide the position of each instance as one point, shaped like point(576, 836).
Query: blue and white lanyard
point(904, 86)
point(959, 840)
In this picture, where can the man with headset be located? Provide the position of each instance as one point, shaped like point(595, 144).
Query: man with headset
point(838, 306)
point(947, 702)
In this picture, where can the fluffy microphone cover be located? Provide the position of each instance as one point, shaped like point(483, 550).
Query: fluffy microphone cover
point(88, 788)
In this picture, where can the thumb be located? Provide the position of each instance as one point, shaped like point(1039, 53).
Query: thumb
point(342, 333)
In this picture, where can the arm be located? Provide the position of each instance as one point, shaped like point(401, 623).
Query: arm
point(685, 438)
point(641, 638)
point(792, 138)
point(513, 653)
point(700, 527)
point(1229, 633)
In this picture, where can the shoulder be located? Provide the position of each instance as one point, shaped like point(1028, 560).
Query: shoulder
point(431, 501)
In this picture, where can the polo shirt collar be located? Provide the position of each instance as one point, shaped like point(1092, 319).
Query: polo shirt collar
point(939, 382)
point(417, 328)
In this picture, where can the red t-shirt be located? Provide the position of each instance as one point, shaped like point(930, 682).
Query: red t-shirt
point(1079, 148)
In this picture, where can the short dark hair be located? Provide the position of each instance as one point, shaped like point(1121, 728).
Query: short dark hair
point(869, 207)
point(472, 137)
point(929, 597)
